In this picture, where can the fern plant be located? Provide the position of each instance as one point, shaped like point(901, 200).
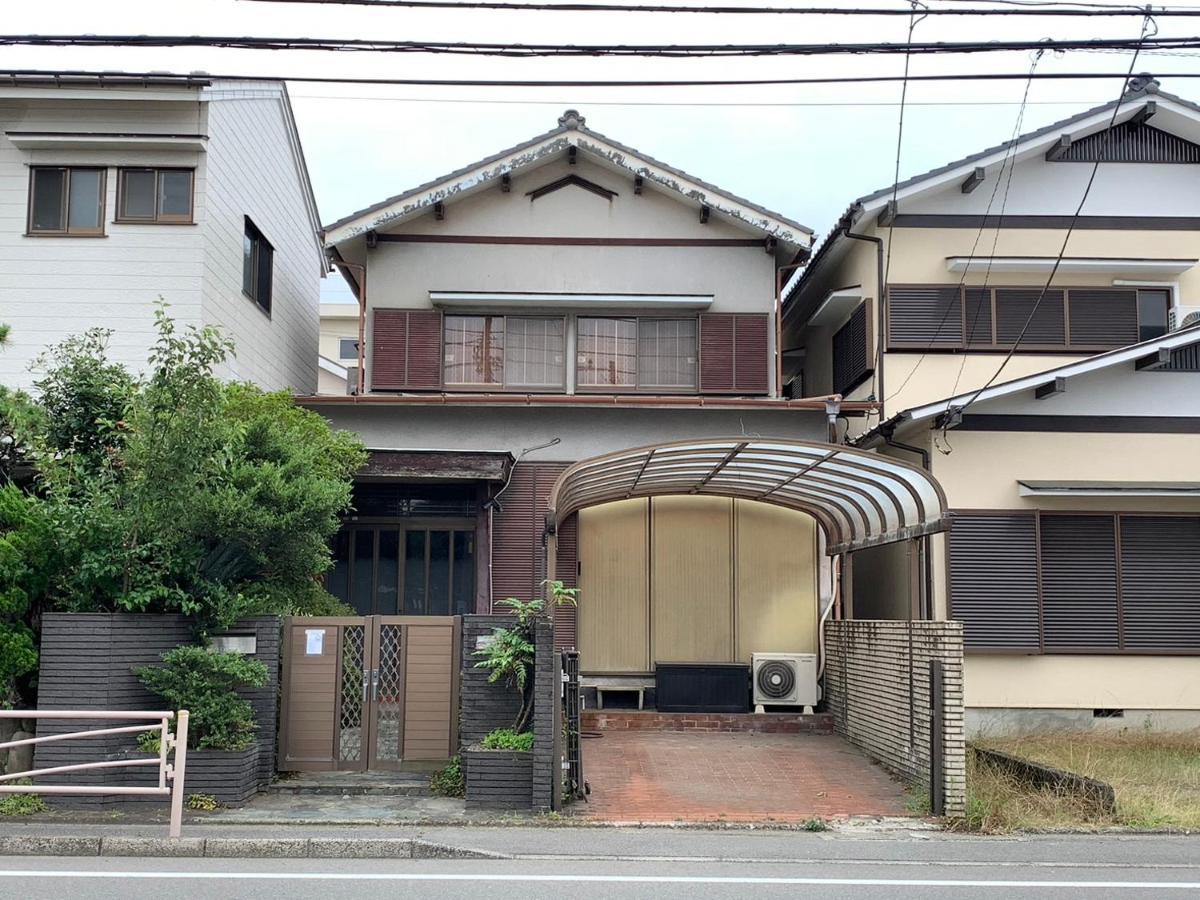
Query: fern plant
point(510, 655)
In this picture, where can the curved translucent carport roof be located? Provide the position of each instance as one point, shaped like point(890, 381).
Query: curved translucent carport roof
point(859, 498)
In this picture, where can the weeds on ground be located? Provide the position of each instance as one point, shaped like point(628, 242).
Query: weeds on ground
point(448, 782)
point(814, 824)
point(203, 802)
point(1156, 778)
point(22, 804)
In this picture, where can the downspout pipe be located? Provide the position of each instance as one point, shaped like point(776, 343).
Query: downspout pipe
point(848, 222)
point(887, 432)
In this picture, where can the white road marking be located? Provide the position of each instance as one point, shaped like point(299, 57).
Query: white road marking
point(609, 879)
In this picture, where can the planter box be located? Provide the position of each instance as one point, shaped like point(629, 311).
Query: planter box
point(498, 779)
point(231, 776)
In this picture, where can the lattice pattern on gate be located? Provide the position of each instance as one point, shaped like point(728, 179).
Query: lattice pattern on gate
point(353, 690)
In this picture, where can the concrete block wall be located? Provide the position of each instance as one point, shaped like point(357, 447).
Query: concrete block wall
point(877, 686)
point(87, 662)
point(483, 707)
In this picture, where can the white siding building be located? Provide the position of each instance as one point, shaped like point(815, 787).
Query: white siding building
point(116, 192)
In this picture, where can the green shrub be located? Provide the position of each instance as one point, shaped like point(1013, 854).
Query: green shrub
point(203, 802)
point(149, 742)
point(507, 739)
point(204, 684)
point(21, 804)
point(448, 782)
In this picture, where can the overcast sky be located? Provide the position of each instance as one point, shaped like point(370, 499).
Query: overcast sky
point(805, 151)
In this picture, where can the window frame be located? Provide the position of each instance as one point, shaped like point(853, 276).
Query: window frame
point(1037, 516)
point(120, 218)
point(66, 230)
point(256, 237)
point(964, 345)
point(638, 386)
point(504, 387)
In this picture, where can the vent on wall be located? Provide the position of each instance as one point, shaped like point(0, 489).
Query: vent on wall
point(1132, 143)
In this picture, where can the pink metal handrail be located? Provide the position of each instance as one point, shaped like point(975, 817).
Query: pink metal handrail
point(172, 772)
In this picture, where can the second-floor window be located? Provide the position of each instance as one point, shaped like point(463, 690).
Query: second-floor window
point(66, 200)
point(347, 348)
point(513, 352)
point(158, 196)
point(636, 354)
point(257, 261)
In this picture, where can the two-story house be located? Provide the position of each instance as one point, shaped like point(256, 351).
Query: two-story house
point(1034, 354)
point(120, 191)
point(571, 305)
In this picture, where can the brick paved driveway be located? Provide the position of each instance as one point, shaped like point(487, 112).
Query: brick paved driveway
point(734, 777)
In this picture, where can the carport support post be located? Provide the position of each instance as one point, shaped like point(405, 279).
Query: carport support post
point(937, 718)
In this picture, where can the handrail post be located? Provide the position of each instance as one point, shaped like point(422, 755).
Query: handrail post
point(177, 775)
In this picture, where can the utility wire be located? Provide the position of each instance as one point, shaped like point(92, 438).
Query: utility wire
point(959, 412)
point(1009, 154)
point(1089, 10)
point(118, 78)
point(364, 45)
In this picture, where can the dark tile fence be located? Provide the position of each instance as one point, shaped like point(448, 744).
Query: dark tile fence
point(87, 662)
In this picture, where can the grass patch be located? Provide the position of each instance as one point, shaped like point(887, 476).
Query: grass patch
point(21, 804)
point(1156, 778)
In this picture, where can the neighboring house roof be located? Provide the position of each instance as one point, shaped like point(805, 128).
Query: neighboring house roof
point(1097, 117)
point(1146, 350)
point(571, 132)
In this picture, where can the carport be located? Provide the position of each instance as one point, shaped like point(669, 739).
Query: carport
point(653, 767)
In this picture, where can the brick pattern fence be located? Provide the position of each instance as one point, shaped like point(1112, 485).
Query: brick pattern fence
point(484, 706)
point(87, 662)
point(877, 685)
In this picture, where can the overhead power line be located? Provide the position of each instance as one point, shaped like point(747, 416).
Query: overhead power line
point(1073, 10)
point(116, 77)
point(364, 45)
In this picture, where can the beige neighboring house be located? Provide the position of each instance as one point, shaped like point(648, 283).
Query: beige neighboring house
point(1073, 479)
point(120, 191)
point(338, 348)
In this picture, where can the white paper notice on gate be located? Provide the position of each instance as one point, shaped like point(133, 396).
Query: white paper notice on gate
point(314, 641)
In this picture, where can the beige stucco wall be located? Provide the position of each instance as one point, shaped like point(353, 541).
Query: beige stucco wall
point(338, 320)
point(1083, 682)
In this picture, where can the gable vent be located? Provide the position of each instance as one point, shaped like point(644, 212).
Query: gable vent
point(1131, 143)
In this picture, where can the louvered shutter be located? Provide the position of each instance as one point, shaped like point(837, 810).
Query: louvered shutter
point(925, 316)
point(406, 349)
point(1103, 318)
point(734, 353)
point(751, 352)
point(1160, 582)
point(1013, 307)
point(716, 353)
point(977, 316)
point(1079, 582)
point(850, 362)
point(993, 580)
point(518, 554)
point(567, 571)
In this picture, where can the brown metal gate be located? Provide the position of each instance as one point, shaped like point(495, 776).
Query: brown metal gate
point(376, 692)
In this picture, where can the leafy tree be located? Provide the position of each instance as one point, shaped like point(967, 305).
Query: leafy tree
point(25, 558)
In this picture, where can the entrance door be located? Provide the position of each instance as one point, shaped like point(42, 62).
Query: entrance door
point(376, 692)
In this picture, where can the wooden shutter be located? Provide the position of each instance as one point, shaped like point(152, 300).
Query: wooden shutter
point(850, 348)
point(1013, 306)
point(1160, 582)
point(1079, 582)
point(567, 571)
point(993, 580)
point(518, 564)
point(977, 317)
point(734, 353)
point(1103, 318)
point(406, 349)
point(922, 317)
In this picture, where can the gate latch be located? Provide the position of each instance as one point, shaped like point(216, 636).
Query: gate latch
point(366, 676)
point(375, 685)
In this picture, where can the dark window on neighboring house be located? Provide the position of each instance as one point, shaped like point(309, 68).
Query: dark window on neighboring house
point(1076, 582)
point(66, 201)
point(257, 258)
point(347, 348)
point(851, 364)
point(513, 352)
point(1082, 320)
point(158, 196)
point(636, 354)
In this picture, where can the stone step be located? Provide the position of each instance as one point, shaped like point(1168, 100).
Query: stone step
point(392, 784)
point(649, 720)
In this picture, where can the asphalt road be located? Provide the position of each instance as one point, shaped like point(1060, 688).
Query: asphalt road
point(979, 869)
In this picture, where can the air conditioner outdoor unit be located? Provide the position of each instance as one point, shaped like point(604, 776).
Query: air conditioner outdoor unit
point(784, 679)
point(1184, 317)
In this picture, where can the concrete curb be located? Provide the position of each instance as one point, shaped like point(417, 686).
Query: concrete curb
point(238, 848)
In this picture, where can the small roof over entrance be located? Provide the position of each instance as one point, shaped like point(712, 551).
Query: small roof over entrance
point(860, 499)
